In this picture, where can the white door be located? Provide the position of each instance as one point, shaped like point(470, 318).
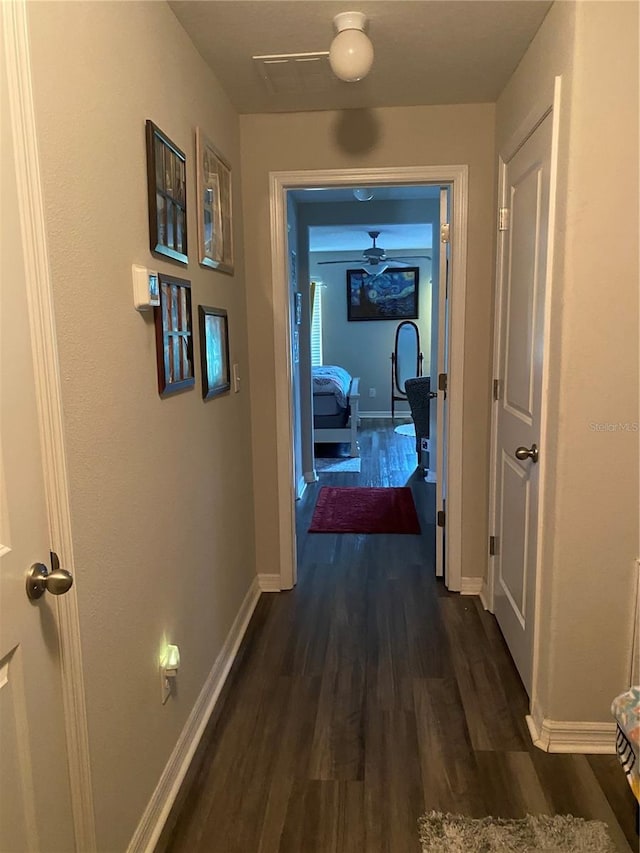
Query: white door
point(35, 804)
point(525, 195)
point(441, 400)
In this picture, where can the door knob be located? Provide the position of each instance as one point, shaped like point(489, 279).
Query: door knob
point(531, 453)
point(41, 580)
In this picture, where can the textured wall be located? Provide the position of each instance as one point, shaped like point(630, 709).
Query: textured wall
point(590, 533)
point(161, 490)
point(404, 136)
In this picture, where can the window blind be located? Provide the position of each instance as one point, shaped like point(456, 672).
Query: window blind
point(316, 324)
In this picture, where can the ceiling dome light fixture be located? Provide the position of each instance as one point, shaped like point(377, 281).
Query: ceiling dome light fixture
point(351, 52)
point(363, 194)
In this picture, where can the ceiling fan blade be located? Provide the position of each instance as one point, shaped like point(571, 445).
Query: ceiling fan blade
point(345, 261)
point(402, 262)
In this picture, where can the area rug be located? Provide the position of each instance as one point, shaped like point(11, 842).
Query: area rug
point(338, 465)
point(448, 833)
point(365, 510)
point(406, 429)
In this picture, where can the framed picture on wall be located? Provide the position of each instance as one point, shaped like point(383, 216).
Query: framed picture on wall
point(388, 295)
point(167, 191)
point(174, 336)
point(213, 187)
point(214, 351)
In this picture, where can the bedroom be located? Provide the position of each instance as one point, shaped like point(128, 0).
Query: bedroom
point(330, 231)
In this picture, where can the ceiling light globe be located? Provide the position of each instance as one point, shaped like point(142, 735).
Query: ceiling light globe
point(351, 55)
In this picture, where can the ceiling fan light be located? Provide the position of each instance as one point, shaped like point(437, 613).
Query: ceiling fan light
point(351, 51)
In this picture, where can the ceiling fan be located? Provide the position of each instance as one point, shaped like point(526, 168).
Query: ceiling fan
point(375, 256)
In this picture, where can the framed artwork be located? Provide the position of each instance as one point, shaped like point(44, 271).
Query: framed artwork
point(388, 295)
point(214, 351)
point(174, 336)
point(167, 188)
point(213, 186)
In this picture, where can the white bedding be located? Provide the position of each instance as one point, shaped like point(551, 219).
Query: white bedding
point(331, 379)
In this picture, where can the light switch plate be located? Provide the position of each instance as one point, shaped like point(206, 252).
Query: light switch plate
point(236, 378)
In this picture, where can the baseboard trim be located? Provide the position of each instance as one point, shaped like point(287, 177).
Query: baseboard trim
point(484, 595)
point(366, 415)
point(573, 736)
point(155, 815)
point(269, 583)
point(471, 586)
point(310, 476)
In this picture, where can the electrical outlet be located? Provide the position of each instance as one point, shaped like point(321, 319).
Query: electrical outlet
point(372, 392)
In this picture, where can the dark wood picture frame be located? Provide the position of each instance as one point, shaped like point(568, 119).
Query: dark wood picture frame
point(174, 336)
point(167, 189)
point(389, 295)
point(214, 207)
point(214, 351)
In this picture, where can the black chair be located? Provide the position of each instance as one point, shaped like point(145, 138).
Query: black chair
point(419, 396)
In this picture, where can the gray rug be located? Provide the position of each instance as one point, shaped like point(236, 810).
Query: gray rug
point(448, 833)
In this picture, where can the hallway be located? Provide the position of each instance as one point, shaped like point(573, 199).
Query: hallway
point(368, 695)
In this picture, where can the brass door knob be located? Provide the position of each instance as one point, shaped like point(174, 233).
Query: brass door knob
point(531, 453)
point(41, 580)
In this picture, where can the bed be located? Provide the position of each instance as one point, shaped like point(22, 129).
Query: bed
point(336, 400)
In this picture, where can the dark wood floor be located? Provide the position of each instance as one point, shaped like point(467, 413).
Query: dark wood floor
point(368, 695)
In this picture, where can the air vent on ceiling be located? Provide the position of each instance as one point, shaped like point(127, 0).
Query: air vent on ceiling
point(295, 73)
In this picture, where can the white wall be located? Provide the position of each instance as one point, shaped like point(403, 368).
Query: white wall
point(591, 522)
point(364, 348)
point(161, 490)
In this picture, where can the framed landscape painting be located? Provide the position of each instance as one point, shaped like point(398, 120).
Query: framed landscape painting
point(214, 351)
point(388, 295)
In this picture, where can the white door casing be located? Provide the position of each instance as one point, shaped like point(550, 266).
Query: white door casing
point(279, 183)
point(44, 727)
point(441, 401)
point(525, 194)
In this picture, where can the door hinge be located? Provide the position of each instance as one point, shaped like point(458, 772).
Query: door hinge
point(441, 518)
point(493, 546)
point(442, 382)
point(444, 233)
point(497, 389)
point(504, 216)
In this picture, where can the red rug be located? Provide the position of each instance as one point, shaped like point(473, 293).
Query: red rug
point(359, 510)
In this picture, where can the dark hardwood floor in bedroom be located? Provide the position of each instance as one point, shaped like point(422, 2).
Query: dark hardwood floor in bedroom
point(369, 695)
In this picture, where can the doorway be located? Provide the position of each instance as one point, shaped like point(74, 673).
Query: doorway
point(280, 183)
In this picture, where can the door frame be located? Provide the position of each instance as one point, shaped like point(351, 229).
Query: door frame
point(50, 415)
point(279, 183)
point(548, 103)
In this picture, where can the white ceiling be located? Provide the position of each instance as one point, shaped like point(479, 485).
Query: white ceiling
point(355, 238)
point(426, 51)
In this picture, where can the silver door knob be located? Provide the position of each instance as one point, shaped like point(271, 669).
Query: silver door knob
point(41, 580)
point(531, 453)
